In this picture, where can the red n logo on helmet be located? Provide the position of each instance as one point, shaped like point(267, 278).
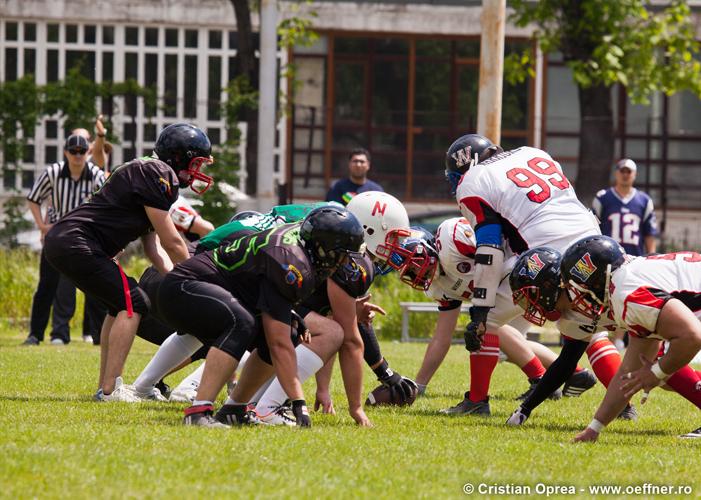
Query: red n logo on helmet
point(379, 208)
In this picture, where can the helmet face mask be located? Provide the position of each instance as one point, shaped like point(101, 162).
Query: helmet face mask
point(198, 181)
point(584, 301)
point(528, 298)
point(412, 254)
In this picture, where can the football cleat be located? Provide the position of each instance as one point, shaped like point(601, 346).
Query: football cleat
point(696, 433)
point(88, 339)
point(202, 416)
point(578, 383)
point(58, 342)
point(279, 415)
point(163, 388)
point(153, 395)
point(121, 393)
point(556, 394)
point(31, 340)
point(236, 415)
point(517, 417)
point(184, 393)
point(468, 407)
point(629, 413)
point(99, 395)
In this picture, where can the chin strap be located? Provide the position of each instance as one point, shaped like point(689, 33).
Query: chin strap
point(489, 262)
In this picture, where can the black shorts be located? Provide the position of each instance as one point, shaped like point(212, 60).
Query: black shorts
point(208, 312)
point(96, 274)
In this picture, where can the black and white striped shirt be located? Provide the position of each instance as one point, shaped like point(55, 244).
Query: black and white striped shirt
point(66, 194)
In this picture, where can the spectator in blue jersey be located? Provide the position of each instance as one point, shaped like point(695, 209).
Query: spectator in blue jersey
point(357, 182)
point(627, 215)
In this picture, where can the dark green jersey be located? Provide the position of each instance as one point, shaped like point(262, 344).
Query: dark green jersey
point(267, 271)
point(281, 214)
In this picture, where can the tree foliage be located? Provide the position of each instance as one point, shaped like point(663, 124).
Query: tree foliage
point(625, 42)
point(640, 46)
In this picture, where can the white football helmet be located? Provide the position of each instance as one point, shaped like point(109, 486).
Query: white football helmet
point(379, 213)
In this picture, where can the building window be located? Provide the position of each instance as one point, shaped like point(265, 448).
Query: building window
point(89, 34)
point(71, 33)
point(30, 32)
point(131, 35)
point(11, 31)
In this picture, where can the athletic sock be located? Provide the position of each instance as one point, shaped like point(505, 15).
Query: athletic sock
point(533, 369)
point(199, 402)
point(604, 359)
point(482, 364)
point(687, 383)
point(261, 390)
point(174, 350)
point(308, 363)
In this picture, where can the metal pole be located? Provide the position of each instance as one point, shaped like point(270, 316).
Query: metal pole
point(265, 189)
point(491, 69)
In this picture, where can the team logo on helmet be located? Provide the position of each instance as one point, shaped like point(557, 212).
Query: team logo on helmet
point(583, 268)
point(533, 266)
point(293, 276)
point(462, 156)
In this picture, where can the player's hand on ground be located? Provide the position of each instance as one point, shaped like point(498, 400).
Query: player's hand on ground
point(323, 401)
point(588, 435)
point(643, 378)
point(360, 417)
point(366, 310)
point(299, 410)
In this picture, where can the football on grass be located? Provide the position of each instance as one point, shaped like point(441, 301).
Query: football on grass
point(383, 396)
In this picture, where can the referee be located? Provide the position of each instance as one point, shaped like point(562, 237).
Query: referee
point(66, 184)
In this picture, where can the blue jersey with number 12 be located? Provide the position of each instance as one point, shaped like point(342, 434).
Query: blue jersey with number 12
point(627, 220)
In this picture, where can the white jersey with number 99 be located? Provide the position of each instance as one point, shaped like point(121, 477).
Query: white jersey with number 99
point(526, 191)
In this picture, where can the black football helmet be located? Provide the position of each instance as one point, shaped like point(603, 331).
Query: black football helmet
point(329, 234)
point(536, 284)
point(586, 270)
point(466, 152)
point(187, 150)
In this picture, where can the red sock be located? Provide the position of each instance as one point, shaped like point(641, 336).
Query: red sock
point(687, 383)
point(604, 360)
point(534, 368)
point(578, 369)
point(482, 364)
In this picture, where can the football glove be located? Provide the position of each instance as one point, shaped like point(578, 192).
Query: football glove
point(403, 389)
point(476, 328)
point(518, 417)
point(299, 410)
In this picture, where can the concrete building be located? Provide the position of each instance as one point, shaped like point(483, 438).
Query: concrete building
point(397, 77)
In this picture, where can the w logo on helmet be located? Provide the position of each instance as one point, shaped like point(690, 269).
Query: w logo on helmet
point(533, 266)
point(462, 156)
point(584, 268)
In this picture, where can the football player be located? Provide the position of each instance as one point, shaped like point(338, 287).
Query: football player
point(382, 217)
point(537, 288)
point(520, 197)
point(656, 298)
point(133, 203)
point(454, 263)
point(217, 295)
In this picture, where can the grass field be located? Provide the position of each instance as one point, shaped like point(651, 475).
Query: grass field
point(56, 442)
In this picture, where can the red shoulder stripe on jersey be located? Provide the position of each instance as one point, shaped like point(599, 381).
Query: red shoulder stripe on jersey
point(648, 297)
point(463, 248)
point(474, 204)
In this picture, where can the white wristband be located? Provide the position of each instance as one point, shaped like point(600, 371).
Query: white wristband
point(596, 426)
point(657, 371)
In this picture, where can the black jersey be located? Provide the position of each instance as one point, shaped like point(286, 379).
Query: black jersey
point(354, 278)
point(115, 215)
point(266, 271)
